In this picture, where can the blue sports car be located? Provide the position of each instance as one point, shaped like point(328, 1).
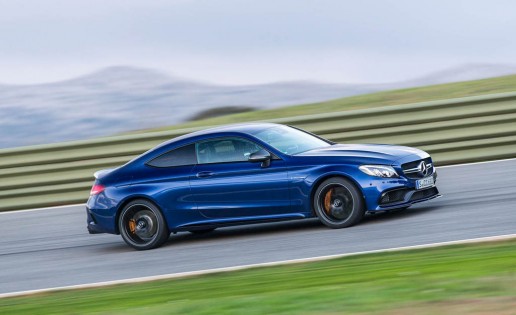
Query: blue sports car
point(251, 173)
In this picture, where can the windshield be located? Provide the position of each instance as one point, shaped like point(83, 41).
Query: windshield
point(289, 140)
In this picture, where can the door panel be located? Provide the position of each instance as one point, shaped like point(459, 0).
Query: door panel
point(240, 189)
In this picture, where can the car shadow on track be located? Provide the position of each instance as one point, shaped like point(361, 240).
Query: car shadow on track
point(287, 227)
point(397, 215)
point(251, 230)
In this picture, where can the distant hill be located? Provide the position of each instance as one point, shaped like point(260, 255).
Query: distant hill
point(502, 84)
point(465, 72)
point(120, 99)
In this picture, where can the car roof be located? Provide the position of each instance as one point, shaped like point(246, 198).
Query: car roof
point(246, 128)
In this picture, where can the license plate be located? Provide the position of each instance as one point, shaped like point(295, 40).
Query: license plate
point(425, 182)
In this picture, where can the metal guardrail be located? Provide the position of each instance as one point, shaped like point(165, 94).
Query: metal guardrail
point(454, 131)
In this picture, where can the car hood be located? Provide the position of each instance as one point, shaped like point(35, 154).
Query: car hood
point(391, 153)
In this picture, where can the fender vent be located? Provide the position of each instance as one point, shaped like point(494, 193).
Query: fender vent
point(393, 196)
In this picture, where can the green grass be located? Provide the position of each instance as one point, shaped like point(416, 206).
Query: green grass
point(394, 97)
point(365, 283)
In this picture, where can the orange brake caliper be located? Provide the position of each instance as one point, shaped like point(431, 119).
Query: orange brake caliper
point(132, 226)
point(327, 201)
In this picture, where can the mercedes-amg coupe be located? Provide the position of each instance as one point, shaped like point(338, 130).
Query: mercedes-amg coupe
point(250, 173)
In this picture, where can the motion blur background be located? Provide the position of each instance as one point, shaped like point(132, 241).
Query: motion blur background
point(88, 85)
point(81, 69)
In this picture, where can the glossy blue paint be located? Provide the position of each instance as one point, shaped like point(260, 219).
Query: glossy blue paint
point(219, 194)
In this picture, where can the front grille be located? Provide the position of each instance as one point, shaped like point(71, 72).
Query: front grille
point(422, 194)
point(412, 171)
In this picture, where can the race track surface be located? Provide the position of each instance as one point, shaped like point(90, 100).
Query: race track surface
point(51, 247)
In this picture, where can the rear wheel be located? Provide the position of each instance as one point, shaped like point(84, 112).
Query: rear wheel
point(338, 203)
point(142, 225)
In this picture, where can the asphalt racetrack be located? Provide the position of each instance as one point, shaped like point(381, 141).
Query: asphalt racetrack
point(51, 247)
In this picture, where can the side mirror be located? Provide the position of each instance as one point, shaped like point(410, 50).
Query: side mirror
point(261, 156)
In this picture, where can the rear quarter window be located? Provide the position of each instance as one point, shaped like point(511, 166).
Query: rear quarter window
point(178, 157)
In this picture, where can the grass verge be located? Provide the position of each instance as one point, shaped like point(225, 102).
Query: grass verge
point(385, 98)
point(428, 280)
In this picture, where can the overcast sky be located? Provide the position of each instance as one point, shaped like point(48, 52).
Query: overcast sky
point(236, 42)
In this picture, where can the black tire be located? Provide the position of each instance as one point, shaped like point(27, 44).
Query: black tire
point(142, 225)
point(338, 203)
point(203, 231)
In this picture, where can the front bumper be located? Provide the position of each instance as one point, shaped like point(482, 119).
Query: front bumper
point(389, 194)
point(410, 197)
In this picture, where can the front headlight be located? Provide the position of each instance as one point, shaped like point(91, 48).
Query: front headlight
point(379, 170)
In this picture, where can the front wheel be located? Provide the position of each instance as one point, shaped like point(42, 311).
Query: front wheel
point(142, 225)
point(338, 203)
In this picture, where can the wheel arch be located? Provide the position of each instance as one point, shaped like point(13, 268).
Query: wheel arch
point(129, 199)
point(326, 176)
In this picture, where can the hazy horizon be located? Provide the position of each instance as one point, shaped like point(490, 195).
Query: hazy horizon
point(491, 70)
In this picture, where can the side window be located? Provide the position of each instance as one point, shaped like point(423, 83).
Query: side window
point(177, 157)
point(225, 150)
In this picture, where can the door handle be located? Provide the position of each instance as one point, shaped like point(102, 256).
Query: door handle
point(204, 174)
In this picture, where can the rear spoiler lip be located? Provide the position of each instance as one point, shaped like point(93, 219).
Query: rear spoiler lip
point(102, 173)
